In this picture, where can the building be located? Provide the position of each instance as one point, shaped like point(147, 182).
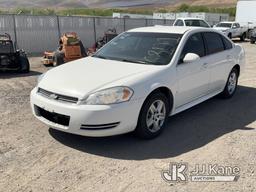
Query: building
point(211, 18)
point(131, 16)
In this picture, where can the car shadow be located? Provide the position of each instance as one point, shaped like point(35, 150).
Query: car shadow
point(11, 74)
point(185, 132)
point(237, 40)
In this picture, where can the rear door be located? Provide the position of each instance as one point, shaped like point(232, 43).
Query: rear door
point(219, 59)
point(193, 78)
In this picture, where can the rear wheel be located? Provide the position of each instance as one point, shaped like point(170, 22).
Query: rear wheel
point(252, 41)
point(24, 64)
point(243, 36)
point(153, 116)
point(231, 84)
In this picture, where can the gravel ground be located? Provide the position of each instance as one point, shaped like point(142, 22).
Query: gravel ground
point(36, 158)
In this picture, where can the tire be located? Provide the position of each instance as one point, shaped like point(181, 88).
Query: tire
point(231, 85)
point(152, 121)
point(24, 64)
point(58, 59)
point(242, 38)
point(230, 36)
point(252, 41)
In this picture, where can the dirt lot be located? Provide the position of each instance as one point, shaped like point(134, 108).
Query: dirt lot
point(36, 158)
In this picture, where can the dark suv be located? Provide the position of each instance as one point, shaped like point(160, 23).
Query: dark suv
point(10, 59)
point(253, 36)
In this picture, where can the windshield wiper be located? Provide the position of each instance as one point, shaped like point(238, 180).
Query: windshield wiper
point(134, 61)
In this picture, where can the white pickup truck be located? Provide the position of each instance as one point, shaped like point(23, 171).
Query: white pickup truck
point(232, 30)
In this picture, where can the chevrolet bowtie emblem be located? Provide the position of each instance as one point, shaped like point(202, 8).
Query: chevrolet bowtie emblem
point(53, 96)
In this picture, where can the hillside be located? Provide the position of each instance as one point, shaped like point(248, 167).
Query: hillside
point(109, 3)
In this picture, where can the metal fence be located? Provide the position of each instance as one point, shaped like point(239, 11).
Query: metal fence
point(35, 34)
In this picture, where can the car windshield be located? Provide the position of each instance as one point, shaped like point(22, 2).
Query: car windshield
point(141, 48)
point(6, 47)
point(196, 23)
point(227, 25)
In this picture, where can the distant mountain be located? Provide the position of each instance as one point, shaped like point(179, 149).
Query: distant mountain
point(108, 3)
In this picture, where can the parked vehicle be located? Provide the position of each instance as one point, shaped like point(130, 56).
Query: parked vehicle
point(10, 59)
point(137, 80)
point(232, 30)
point(245, 13)
point(253, 36)
point(70, 48)
point(191, 22)
point(108, 36)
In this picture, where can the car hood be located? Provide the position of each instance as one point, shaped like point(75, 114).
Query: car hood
point(81, 77)
point(221, 28)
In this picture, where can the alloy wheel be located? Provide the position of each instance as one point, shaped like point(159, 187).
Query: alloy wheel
point(156, 116)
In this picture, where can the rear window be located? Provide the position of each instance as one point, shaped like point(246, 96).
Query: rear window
point(214, 42)
point(6, 47)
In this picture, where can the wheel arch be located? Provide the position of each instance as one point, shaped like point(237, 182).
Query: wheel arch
point(166, 91)
point(237, 67)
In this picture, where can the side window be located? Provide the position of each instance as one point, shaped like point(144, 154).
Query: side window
point(213, 42)
point(194, 44)
point(203, 24)
point(238, 25)
point(179, 23)
point(227, 43)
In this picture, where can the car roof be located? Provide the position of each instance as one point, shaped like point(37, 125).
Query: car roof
point(168, 29)
point(189, 18)
point(228, 22)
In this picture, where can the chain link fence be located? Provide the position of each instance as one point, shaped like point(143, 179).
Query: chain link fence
point(36, 34)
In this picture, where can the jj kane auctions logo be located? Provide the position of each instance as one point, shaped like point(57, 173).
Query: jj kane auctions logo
point(178, 172)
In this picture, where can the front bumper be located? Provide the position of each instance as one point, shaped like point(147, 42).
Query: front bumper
point(88, 120)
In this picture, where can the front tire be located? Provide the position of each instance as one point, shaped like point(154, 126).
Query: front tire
point(24, 64)
point(58, 59)
point(231, 84)
point(153, 116)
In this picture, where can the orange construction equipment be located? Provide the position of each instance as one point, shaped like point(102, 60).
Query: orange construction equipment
point(70, 48)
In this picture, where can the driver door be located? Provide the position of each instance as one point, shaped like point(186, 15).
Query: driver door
point(193, 78)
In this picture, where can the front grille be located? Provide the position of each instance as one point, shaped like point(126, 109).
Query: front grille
point(57, 97)
point(53, 117)
point(100, 126)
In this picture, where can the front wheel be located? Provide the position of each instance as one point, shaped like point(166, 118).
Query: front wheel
point(153, 116)
point(231, 84)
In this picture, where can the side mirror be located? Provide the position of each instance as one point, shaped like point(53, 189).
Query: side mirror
point(191, 57)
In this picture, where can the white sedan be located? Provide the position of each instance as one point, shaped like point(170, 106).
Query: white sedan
point(137, 80)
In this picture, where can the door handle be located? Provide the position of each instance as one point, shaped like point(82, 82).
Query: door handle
point(205, 65)
point(228, 57)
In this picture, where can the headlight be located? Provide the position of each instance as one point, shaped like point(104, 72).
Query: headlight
point(109, 96)
point(40, 77)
